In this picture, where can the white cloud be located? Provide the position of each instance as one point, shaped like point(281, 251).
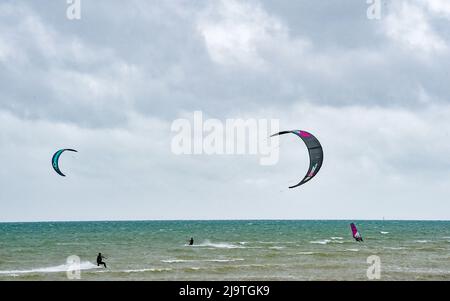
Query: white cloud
point(243, 33)
point(29, 37)
point(408, 24)
point(440, 7)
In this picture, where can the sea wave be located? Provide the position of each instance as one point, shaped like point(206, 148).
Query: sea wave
point(336, 237)
point(86, 265)
point(384, 232)
point(431, 248)
point(352, 250)
point(276, 247)
point(321, 242)
point(277, 242)
point(200, 260)
point(394, 248)
point(336, 242)
point(224, 260)
point(305, 253)
point(219, 245)
point(146, 270)
point(175, 260)
point(71, 243)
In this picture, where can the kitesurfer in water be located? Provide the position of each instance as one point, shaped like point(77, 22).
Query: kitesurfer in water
point(100, 261)
point(191, 241)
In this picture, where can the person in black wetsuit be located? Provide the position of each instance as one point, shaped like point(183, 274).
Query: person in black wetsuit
point(100, 261)
point(191, 241)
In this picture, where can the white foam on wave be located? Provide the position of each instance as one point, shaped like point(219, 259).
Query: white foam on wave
point(71, 243)
point(394, 248)
point(276, 247)
point(320, 242)
point(219, 245)
point(277, 242)
point(352, 250)
point(336, 242)
point(199, 260)
point(86, 265)
point(147, 270)
point(305, 253)
point(422, 241)
point(175, 260)
point(384, 232)
point(225, 260)
point(336, 237)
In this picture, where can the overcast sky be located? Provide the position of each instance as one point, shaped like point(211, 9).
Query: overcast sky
point(375, 92)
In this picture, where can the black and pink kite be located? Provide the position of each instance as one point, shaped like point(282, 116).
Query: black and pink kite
point(315, 153)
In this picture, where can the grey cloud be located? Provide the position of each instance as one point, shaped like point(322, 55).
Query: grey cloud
point(348, 62)
point(111, 83)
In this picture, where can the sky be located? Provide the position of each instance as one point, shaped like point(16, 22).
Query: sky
point(374, 91)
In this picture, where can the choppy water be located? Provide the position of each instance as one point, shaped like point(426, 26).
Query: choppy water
point(226, 250)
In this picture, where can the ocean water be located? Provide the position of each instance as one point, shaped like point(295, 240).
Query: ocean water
point(225, 250)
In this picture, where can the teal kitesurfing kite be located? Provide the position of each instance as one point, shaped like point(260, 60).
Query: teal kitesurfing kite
point(55, 160)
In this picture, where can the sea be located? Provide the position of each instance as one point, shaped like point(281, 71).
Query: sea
point(280, 250)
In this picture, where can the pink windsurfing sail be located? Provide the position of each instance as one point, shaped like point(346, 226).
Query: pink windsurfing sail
point(355, 231)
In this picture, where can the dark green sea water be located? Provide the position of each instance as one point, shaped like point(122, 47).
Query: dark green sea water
point(226, 250)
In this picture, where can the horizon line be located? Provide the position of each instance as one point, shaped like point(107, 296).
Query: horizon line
point(202, 220)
